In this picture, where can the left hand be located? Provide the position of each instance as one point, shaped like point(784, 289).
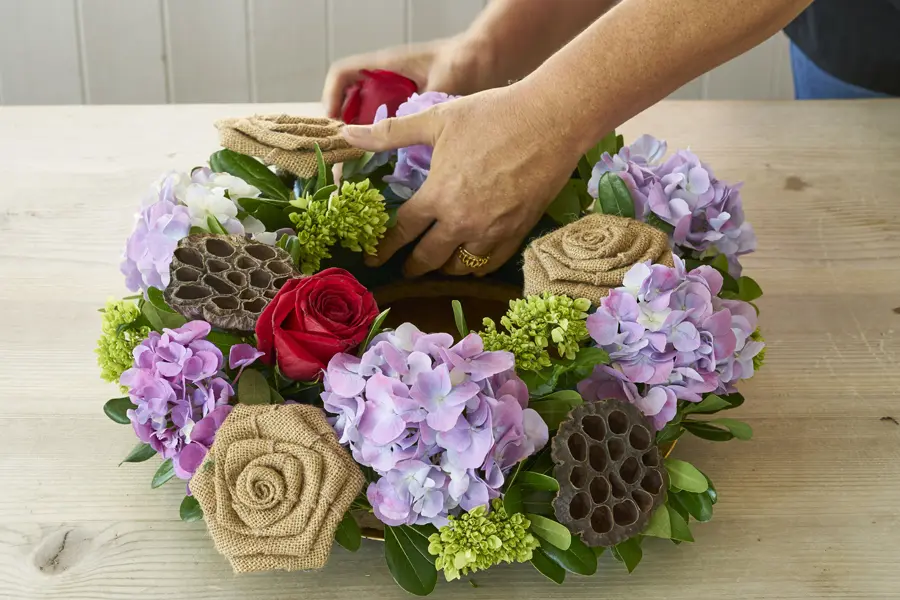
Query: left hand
point(500, 158)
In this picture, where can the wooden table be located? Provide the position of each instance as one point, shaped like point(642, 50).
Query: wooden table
point(809, 509)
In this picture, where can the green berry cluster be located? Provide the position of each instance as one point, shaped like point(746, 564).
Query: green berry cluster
point(534, 323)
point(118, 338)
point(479, 539)
point(760, 358)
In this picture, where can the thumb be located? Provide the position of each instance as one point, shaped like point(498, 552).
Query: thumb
point(398, 132)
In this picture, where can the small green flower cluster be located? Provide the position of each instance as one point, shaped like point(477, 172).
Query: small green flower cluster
point(760, 358)
point(533, 323)
point(479, 539)
point(355, 216)
point(118, 339)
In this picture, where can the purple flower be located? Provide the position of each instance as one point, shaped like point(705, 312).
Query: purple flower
point(242, 355)
point(413, 493)
point(199, 442)
point(151, 245)
point(443, 401)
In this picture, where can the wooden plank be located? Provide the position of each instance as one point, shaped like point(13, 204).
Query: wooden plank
point(39, 52)
point(124, 53)
point(207, 50)
point(355, 27)
point(289, 46)
point(430, 20)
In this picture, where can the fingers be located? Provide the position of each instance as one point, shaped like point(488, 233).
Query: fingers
point(413, 218)
point(455, 265)
point(338, 79)
point(432, 251)
point(398, 132)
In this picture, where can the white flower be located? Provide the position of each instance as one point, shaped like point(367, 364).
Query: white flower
point(203, 202)
point(236, 187)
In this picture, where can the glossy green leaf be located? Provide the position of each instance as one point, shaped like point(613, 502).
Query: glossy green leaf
point(538, 502)
point(459, 317)
point(566, 207)
point(680, 529)
point(374, 330)
point(614, 197)
point(673, 501)
point(352, 167)
point(709, 405)
point(190, 510)
point(738, 429)
point(660, 525)
point(669, 433)
point(748, 289)
point(658, 223)
point(252, 171)
point(548, 529)
point(161, 320)
point(585, 168)
point(275, 396)
point(223, 341)
point(629, 552)
point(720, 264)
point(155, 296)
point(348, 534)
point(578, 559)
point(708, 432)
point(212, 223)
point(555, 408)
point(537, 481)
point(325, 192)
point(711, 492)
point(590, 357)
point(685, 476)
point(253, 388)
point(164, 473)
point(117, 408)
point(139, 453)
point(411, 569)
point(698, 506)
point(547, 566)
point(322, 177)
point(620, 142)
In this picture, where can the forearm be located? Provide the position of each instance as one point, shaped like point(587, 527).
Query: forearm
point(511, 38)
point(641, 51)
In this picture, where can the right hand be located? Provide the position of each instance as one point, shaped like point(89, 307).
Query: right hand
point(442, 66)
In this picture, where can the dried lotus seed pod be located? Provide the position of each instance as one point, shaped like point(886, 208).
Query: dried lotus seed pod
point(226, 280)
point(610, 472)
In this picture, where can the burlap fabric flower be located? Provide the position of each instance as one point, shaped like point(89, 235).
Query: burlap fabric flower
point(287, 142)
point(588, 258)
point(274, 487)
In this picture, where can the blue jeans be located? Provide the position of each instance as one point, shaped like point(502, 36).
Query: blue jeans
point(812, 83)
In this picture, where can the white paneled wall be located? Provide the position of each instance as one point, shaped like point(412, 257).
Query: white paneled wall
point(157, 51)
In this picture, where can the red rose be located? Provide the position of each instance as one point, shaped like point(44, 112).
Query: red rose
point(373, 89)
point(313, 318)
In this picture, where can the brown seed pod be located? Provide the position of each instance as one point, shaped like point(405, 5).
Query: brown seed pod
point(610, 472)
point(226, 280)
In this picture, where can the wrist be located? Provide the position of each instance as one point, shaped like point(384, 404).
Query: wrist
point(475, 57)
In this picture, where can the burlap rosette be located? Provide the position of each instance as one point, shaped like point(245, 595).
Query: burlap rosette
point(287, 142)
point(588, 258)
point(274, 487)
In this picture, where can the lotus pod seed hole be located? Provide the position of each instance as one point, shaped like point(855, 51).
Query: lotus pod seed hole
point(260, 251)
point(279, 268)
point(192, 292)
point(625, 513)
point(255, 306)
point(599, 490)
point(218, 247)
point(186, 274)
point(226, 302)
point(247, 295)
point(601, 520)
point(245, 262)
point(189, 256)
point(578, 476)
point(618, 488)
point(639, 437)
point(651, 458)
point(643, 500)
point(577, 446)
point(616, 449)
point(580, 506)
point(260, 278)
point(594, 427)
point(618, 422)
point(216, 266)
point(270, 294)
point(599, 460)
point(279, 283)
point(237, 278)
point(630, 470)
point(652, 482)
point(220, 285)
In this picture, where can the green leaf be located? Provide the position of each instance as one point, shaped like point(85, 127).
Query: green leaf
point(412, 570)
point(419, 535)
point(598, 551)
point(655, 221)
point(373, 331)
point(161, 320)
point(139, 453)
point(674, 502)
point(698, 506)
point(348, 534)
point(709, 405)
point(512, 500)
point(352, 167)
point(620, 142)
point(591, 357)
point(540, 382)
point(459, 318)
point(322, 178)
point(708, 432)
point(555, 533)
point(614, 197)
point(223, 341)
point(275, 397)
point(629, 552)
point(680, 529)
point(116, 409)
point(538, 502)
point(554, 408)
point(164, 473)
point(720, 264)
point(252, 171)
point(325, 192)
point(578, 559)
point(685, 476)
point(155, 296)
point(566, 207)
point(734, 400)
point(547, 566)
point(253, 388)
point(537, 481)
point(660, 525)
point(669, 433)
point(190, 510)
point(738, 429)
point(214, 226)
point(585, 168)
point(748, 289)
point(711, 492)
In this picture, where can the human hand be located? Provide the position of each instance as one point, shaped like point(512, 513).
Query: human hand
point(500, 158)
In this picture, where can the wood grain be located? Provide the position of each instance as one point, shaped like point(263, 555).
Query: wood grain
point(809, 508)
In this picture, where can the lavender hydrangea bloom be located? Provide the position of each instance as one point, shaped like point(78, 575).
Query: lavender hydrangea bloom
point(151, 246)
point(179, 394)
point(414, 162)
point(441, 423)
point(670, 338)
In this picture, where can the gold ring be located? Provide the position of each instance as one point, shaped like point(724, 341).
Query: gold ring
point(473, 261)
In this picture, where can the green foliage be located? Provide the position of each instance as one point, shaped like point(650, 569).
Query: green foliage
point(159, 319)
point(578, 559)
point(548, 567)
point(760, 358)
point(629, 553)
point(348, 534)
point(555, 407)
point(190, 510)
point(374, 330)
point(121, 330)
point(567, 206)
point(253, 388)
point(548, 529)
point(613, 197)
point(117, 410)
point(164, 473)
point(479, 539)
point(685, 476)
point(406, 550)
point(250, 170)
point(139, 453)
point(459, 317)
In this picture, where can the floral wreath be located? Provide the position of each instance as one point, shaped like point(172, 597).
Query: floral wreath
point(259, 368)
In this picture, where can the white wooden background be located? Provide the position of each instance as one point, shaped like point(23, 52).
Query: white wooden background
point(167, 51)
